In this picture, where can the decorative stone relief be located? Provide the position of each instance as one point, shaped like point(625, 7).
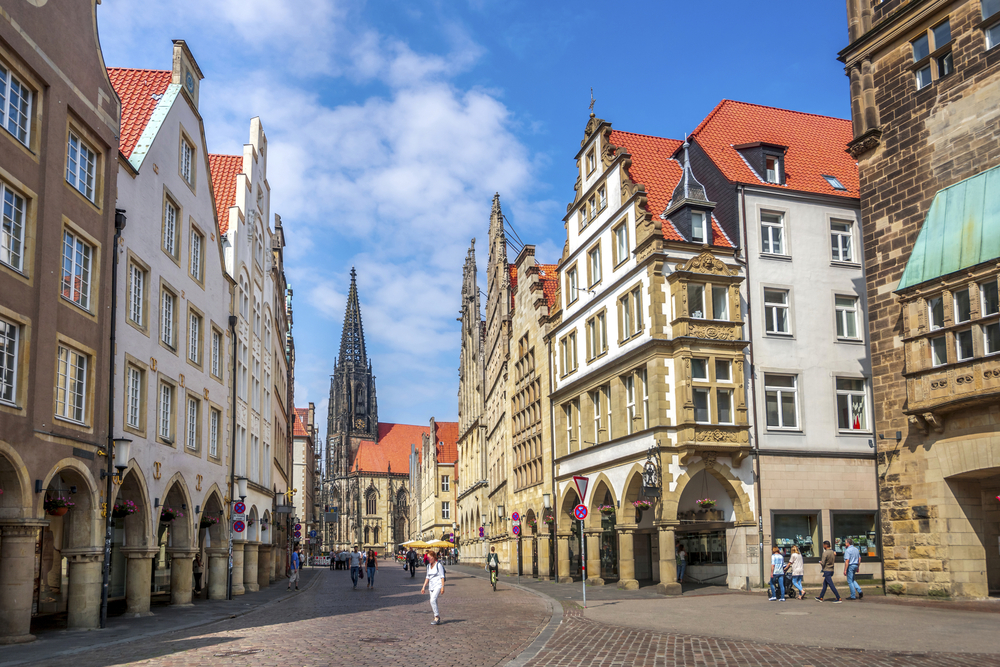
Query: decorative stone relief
point(713, 332)
point(717, 435)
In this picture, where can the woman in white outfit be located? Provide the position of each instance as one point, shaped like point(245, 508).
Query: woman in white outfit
point(434, 581)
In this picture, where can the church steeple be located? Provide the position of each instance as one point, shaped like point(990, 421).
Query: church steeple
point(352, 340)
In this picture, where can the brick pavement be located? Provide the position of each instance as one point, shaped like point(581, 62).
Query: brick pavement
point(333, 624)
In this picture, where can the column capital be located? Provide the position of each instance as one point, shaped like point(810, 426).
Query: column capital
point(25, 529)
point(139, 552)
point(217, 551)
point(84, 554)
point(182, 552)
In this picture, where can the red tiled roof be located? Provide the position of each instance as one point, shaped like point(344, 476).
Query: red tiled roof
point(550, 281)
point(299, 431)
point(816, 146)
point(447, 441)
point(393, 448)
point(225, 169)
point(140, 91)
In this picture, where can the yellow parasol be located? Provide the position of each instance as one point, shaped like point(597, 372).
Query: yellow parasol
point(440, 544)
point(417, 544)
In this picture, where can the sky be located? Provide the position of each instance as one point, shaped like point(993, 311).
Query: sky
point(392, 124)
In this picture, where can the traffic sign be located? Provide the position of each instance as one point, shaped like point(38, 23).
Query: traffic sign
point(298, 526)
point(580, 512)
point(516, 529)
point(515, 517)
point(298, 533)
point(312, 533)
point(239, 526)
point(482, 532)
point(581, 486)
point(240, 508)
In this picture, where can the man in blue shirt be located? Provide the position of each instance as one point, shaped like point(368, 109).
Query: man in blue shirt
point(852, 561)
point(294, 575)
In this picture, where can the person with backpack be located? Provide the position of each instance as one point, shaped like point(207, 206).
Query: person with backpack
point(411, 562)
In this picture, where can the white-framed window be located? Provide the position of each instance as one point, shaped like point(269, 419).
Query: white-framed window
point(595, 398)
point(602, 197)
point(610, 409)
point(592, 208)
point(991, 10)
point(696, 301)
point(720, 302)
point(772, 168)
point(591, 161)
point(621, 243)
point(776, 311)
point(242, 363)
point(939, 350)
point(963, 305)
point(643, 377)
point(935, 312)
point(723, 370)
point(194, 337)
point(10, 334)
point(214, 418)
point(196, 242)
point(991, 338)
point(963, 345)
point(781, 401)
point(216, 354)
point(847, 316)
point(187, 160)
point(568, 353)
point(445, 483)
point(572, 286)
point(244, 298)
point(724, 405)
point(834, 182)
point(636, 298)
point(446, 509)
point(990, 305)
point(594, 263)
point(267, 334)
point(699, 369)
point(701, 396)
point(699, 229)
point(570, 434)
point(76, 268)
point(841, 235)
point(165, 422)
point(71, 384)
point(256, 384)
point(15, 105)
point(12, 230)
point(136, 294)
point(133, 397)
point(259, 248)
point(168, 310)
point(255, 457)
point(191, 440)
point(170, 228)
point(81, 166)
point(630, 414)
point(852, 404)
point(256, 313)
point(772, 233)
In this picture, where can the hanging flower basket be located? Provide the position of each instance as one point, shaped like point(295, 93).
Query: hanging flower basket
point(706, 503)
point(549, 520)
point(606, 509)
point(642, 504)
point(251, 522)
point(168, 514)
point(123, 509)
point(58, 506)
point(263, 526)
point(208, 521)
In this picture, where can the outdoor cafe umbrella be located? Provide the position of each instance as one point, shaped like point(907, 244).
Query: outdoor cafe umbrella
point(440, 544)
point(417, 544)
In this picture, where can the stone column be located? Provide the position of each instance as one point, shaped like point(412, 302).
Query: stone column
point(562, 559)
point(138, 576)
point(264, 568)
point(218, 572)
point(626, 559)
point(250, 566)
point(542, 544)
point(594, 557)
point(84, 606)
point(17, 567)
point(181, 578)
point(668, 565)
point(238, 568)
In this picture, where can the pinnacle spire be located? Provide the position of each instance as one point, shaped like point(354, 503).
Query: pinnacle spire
point(688, 187)
point(352, 341)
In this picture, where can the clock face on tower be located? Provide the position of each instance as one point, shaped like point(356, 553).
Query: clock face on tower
point(189, 82)
point(359, 422)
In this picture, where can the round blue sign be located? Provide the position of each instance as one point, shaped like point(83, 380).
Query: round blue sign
point(239, 526)
point(312, 533)
point(240, 508)
point(516, 530)
point(515, 517)
point(580, 512)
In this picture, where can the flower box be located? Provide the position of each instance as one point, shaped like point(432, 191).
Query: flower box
point(168, 514)
point(208, 522)
point(124, 509)
point(606, 509)
point(642, 504)
point(706, 503)
point(57, 506)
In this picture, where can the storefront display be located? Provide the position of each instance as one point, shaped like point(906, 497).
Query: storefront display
point(800, 530)
point(860, 528)
point(705, 548)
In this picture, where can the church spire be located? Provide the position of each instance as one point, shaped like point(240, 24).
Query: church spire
point(352, 341)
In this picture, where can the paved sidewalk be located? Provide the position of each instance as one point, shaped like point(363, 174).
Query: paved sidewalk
point(165, 619)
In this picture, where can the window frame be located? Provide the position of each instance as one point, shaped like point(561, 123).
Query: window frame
point(192, 432)
point(572, 285)
point(214, 428)
point(166, 290)
point(594, 273)
point(7, 74)
point(568, 353)
point(191, 177)
point(172, 224)
point(139, 427)
point(865, 558)
point(196, 258)
point(843, 312)
point(770, 307)
point(446, 509)
point(133, 266)
point(837, 237)
point(195, 315)
point(990, 25)
point(937, 63)
point(769, 227)
point(850, 393)
point(779, 168)
point(591, 160)
point(794, 390)
point(215, 363)
point(168, 420)
point(12, 356)
point(445, 483)
point(92, 268)
point(23, 224)
point(85, 148)
point(702, 216)
point(621, 254)
point(83, 406)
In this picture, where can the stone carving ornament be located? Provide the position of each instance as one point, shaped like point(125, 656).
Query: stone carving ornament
point(716, 435)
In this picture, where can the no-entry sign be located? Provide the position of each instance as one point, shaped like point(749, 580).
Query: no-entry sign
point(580, 512)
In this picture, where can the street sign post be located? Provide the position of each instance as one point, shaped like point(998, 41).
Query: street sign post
point(239, 526)
point(581, 487)
point(580, 512)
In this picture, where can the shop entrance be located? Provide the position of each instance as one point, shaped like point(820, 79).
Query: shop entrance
point(978, 499)
point(643, 550)
point(609, 543)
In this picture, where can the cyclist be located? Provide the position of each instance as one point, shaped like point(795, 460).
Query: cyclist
point(493, 565)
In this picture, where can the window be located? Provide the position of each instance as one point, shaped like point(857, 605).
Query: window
point(621, 243)
point(602, 197)
point(568, 353)
point(942, 36)
point(71, 384)
point(446, 510)
point(133, 397)
point(991, 335)
point(77, 255)
point(196, 243)
point(723, 370)
point(242, 366)
point(267, 333)
point(963, 306)
point(724, 405)
point(991, 10)
point(244, 298)
point(12, 232)
point(591, 161)
point(776, 311)
point(256, 312)
point(255, 457)
point(445, 483)
point(847, 316)
point(191, 439)
point(187, 159)
point(990, 306)
point(720, 302)
point(702, 410)
point(9, 336)
point(595, 398)
point(963, 344)
point(216, 354)
point(923, 49)
point(840, 240)
point(256, 384)
point(630, 307)
point(781, 398)
point(597, 336)
point(371, 503)
point(852, 412)
point(15, 106)
point(570, 426)
point(594, 265)
point(834, 182)
point(170, 228)
point(772, 167)
point(194, 338)
point(136, 294)
point(799, 530)
point(939, 351)
point(213, 432)
point(81, 166)
point(772, 233)
point(859, 527)
point(630, 415)
point(699, 232)
point(165, 428)
point(935, 312)
point(168, 309)
point(571, 283)
point(592, 207)
point(259, 248)
point(699, 369)
point(645, 397)
point(696, 301)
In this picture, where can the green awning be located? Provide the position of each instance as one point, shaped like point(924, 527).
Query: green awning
point(962, 229)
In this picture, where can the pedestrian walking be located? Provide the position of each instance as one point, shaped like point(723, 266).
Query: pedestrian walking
point(798, 571)
point(411, 561)
point(196, 568)
point(682, 562)
point(777, 575)
point(852, 563)
point(435, 581)
point(372, 565)
point(826, 563)
point(293, 575)
point(355, 560)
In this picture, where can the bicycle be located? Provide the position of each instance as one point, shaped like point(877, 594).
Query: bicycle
point(493, 578)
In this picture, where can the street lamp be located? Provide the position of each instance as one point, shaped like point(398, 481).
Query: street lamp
point(241, 488)
point(123, 447)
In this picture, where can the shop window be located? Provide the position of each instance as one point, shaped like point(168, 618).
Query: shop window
point(796, 530)
point(705, 548)
point(861, 528)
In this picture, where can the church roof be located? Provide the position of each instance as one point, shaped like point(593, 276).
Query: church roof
point(352, 340)
point(392, 448)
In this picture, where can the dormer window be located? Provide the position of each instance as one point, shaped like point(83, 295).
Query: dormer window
point(699, 227)
point(834, 182)
point(591, 161)
point(773, 168)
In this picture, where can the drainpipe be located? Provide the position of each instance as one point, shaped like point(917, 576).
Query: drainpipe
point(109, 524)
point(232, 464)
point(753, 392)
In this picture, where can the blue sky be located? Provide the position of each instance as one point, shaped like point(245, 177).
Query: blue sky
point(392, 124)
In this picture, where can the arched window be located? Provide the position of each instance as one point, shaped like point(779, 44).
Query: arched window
point(359, 400)
point(367, 535)
point(244, 298)
point(370, 502)
point(259, 249)
point(375, 535)
point(402, 505)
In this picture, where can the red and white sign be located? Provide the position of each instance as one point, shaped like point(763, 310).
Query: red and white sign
point(581, 486)
point(580, 512)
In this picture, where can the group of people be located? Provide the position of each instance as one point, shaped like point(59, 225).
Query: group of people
point(852, 563)
point(358, 561)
